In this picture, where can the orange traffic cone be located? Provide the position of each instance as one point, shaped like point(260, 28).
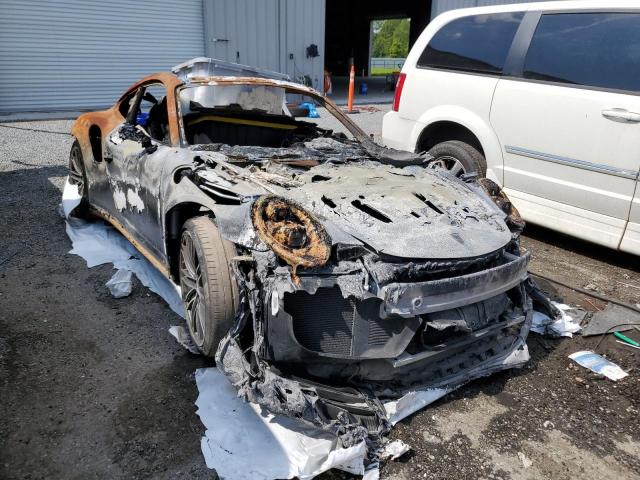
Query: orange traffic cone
point(352, 84)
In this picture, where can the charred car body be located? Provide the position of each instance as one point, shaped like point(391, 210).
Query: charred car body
point(325, 273)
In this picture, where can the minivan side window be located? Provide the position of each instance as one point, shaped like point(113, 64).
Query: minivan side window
point(479, 43)
point(586, 49)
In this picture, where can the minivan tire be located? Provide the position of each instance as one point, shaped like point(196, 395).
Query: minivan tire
point(209, 289)
point(455, 150)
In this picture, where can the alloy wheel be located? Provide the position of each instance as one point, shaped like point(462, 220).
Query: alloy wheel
point(192, 289)
point(452, 164)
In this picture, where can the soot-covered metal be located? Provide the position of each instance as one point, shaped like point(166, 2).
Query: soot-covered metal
point(354, 273)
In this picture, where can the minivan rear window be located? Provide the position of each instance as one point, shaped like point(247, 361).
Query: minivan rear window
point(479, 43)
point(588, 49)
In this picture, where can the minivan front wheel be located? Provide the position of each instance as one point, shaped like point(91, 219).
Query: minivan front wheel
point(458, 158)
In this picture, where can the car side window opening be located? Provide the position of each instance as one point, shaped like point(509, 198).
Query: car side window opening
point(478, 43)
point(586, 49)
point(153, 115)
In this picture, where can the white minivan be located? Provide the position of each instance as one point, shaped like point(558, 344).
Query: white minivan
point(543, 98)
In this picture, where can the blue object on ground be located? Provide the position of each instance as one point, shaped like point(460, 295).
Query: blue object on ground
point(313, 113)
point(364, 88)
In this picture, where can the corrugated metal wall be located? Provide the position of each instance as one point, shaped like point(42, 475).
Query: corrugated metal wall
point(264, 33)
point(243, 31)
point(439, 6)
point(82, 54)
point(303, 24)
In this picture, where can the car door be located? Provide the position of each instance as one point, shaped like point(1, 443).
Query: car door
point(568, 121)
point(135, 153)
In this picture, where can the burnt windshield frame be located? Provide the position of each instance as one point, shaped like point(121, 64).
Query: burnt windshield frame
point(358, 134)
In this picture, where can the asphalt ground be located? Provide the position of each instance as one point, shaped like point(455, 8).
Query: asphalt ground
point(95, 387)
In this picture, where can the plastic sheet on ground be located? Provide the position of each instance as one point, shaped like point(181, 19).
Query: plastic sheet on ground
point(277, 446)
point(242, 442)
point(99, 243)
point(565, 326)
point(120, 285)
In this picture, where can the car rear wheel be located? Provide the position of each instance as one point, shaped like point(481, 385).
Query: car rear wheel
point(76, 169)
point(458, 157)
point(78, 177)
point(209, 290)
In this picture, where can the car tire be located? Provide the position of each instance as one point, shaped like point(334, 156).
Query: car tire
point(458, 157)
point(78, 176)
point(209, 289)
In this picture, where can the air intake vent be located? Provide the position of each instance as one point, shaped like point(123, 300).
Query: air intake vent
point(322, 322)
point(328, 324)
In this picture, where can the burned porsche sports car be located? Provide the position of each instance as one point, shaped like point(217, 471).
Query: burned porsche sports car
point(324, 272)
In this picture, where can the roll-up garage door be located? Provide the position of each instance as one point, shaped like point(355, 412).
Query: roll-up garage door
point(83, 54)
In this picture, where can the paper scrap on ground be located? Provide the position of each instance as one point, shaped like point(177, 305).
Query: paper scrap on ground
point(565, 326)
point(99, 243)
point(598, 364)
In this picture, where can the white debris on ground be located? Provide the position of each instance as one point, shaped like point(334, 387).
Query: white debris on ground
point(277, 446)
point(565, 326)
point(99, 243)
point(526, 463)
point(412, 402)
point(394, 449)
point(183, 338)
point(598, 364)
point(120, 285)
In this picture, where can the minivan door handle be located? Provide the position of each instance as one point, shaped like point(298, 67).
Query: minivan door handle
point(621, 115)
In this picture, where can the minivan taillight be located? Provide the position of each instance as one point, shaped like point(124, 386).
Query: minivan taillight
point(396, 97)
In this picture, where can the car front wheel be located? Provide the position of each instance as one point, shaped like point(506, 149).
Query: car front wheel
point(458, 158)
point(209, 290)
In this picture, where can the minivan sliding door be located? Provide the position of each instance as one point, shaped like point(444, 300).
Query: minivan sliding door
point(568, 120)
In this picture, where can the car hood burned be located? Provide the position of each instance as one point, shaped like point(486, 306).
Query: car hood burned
point(409, 212)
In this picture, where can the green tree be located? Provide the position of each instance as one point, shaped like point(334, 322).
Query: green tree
point(391, 38)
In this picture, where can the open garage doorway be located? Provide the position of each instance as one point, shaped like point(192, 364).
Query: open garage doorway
point(349, 34)
point(388, 49)
point(389, 45)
